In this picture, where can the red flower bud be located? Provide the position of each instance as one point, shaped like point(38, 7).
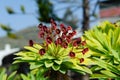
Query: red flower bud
point(53, 26)
point(72, 54)
point(49, 40)
point(57, 31)
point(41, 34)
point(48, 31)
point(40, 25)
point(85, 50)
point(53, 22)
point(74, 32)
point(63, 35)
point(64, 44)
point(68, 40)
point(42, 51)
point(31, 42)
point(70, 35)
point(83, 43)
point(69, 28)
point(44, 28)
point(77, 42)
point(62, 27)
point(81, 60)
point(59, 40)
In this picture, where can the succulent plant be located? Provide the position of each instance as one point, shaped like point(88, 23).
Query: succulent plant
point(103, 42)
point(58, 52)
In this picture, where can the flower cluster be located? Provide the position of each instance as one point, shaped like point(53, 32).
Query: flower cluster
point(59, 50)
point(61, 36)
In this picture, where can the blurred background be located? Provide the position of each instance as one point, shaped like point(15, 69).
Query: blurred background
point(19, 20)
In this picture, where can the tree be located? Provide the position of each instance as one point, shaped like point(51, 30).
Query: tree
point(8, 30)
point(45, 11)
point(73, 6)
point(86, 18)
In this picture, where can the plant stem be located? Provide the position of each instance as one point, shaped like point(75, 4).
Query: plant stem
point(56, 75)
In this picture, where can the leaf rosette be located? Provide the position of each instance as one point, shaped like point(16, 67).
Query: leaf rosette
point(103, 42)
point(58, 52)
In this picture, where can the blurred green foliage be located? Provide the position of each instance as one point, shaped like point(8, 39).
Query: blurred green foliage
point(10, 10)
point(104, 44)
point(9, 31)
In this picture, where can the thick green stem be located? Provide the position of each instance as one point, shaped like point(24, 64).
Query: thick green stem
point(56, 75)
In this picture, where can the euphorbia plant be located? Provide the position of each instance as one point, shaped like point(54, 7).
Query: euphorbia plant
point(58, 53)
point(104, 43)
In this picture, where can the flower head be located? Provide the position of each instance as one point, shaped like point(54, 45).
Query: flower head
point(59, 41)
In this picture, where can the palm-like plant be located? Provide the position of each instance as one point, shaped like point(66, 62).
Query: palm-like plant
point(104, 44)
point(58, 52)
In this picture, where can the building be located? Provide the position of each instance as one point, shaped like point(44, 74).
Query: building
point(110, 10)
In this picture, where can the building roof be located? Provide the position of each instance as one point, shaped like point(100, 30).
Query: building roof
point(110, 12)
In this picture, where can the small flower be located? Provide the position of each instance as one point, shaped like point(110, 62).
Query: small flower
point(83, 43)
point(68, 39)
point(85, 50)
point(48, 31)
point(53, 24)
point(72, 54)
point(49, 40)
point(31, 42)
point(77, 42)
point(74, 32)
point(40, 25)
point(69, 28)
point(62, 25)
point(63, 35)
point(42, 51)
point(44, 28)
point(57, 31)
point(63, 29)
point(41, 34)
point(64, 44)
point(59, 40)
point(70, 35)
point(81, 60)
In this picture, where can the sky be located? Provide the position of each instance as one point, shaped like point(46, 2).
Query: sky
point(20, 21)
